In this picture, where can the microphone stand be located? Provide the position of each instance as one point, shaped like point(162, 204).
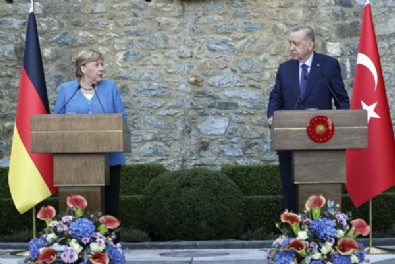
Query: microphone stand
point(330, 89)
point(98, 98)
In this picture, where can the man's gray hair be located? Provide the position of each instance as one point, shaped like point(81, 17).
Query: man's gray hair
point(310, 34)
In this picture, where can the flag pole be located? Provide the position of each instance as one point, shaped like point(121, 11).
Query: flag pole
point(371, 249)
point(34, 222)
point(34, 207)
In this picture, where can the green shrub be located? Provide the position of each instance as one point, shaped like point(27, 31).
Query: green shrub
point(255, 180)
point(195, 204)
point(383, 213)
point(12, 222)
point(10, 219)
point(133, 212)
point(135, 177)
point(24, 235)
point(258, 234)
point(134, 235)
point(5, 189)
point(262, 211)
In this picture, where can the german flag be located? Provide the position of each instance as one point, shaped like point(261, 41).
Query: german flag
point(30, 175)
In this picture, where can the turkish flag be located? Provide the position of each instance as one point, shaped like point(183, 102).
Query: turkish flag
point(370, 171)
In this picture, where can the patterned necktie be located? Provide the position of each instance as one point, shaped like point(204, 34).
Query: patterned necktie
point(303, 78)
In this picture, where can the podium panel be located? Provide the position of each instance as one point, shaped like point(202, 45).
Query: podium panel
point(80, 144)
point(81, 170)
point(80, 134)
point(93, 194)
point(331, 191)
point(289, 129)
point(318, 139)
point(328, 166)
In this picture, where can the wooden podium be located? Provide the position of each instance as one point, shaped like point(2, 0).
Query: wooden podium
point(319, 166)
point(80, 144)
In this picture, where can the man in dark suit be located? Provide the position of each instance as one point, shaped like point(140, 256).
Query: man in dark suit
point(309, 80)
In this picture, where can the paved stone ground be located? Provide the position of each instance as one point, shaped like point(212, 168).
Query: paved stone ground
point(221, 252)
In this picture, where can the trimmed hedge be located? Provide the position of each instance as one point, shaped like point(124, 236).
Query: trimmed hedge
point(262, 211)
point(133, 212)
point(258, 189)
point(383, 212)
point(4, 190)
point(255, 180)
point(136, 177)
point(195, 204)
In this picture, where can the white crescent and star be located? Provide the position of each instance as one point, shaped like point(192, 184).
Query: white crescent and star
point(368, 63)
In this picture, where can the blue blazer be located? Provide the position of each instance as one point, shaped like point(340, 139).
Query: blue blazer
point(324, 76)
point(106, 100)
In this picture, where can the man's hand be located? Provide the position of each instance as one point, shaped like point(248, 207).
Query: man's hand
point(270, 120)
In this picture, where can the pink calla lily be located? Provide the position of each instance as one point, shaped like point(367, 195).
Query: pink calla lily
point(315, 201)
point(77, 201)
point(110, 221)
point(360, 227)
point(292, 219)
point(47, 255)
point(298, 246)
point(99, 258)
point(46, 212)
point(346, 246)
point(314, 204)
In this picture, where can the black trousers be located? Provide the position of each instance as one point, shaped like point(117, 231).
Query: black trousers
point(112, 192)
point(289, 188)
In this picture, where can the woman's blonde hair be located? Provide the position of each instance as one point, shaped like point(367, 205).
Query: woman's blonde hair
point(85, 57)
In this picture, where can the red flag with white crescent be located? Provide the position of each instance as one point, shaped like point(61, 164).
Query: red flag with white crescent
point(371, 171)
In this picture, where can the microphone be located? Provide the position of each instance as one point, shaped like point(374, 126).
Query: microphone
point(330, 89)
point(98, 98)
point(63, 107)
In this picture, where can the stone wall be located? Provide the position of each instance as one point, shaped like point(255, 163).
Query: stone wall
point(194, 75)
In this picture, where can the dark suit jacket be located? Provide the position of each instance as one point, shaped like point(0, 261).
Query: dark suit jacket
point(324, 87)
point(324, 73)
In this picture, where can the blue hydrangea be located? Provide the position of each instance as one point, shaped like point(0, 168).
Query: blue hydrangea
point(361, 255)
point(342, 218)
point(323, 228)
point(115, 255)
point(317, 261)
point(69, 255)
point(313, 245)
point(35, 245)
point(82, 228)
point(285, 257)
point(285, 242)
point(340, 259)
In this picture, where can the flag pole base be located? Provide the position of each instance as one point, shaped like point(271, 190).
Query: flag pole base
point(378, 251)
point(21, 253)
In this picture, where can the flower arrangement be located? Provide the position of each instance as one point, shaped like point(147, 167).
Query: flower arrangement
point(76, 236)
point(319, 237)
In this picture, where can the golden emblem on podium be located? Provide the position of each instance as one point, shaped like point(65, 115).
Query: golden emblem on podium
point(320, 129)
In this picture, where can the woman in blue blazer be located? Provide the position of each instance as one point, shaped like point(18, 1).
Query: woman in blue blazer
point(91, 94)
point(318, 87)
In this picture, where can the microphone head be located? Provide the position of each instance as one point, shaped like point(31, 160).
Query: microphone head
point(93, 85)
